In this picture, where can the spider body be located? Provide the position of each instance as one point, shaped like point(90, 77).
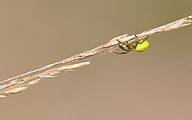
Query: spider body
point(138, 45)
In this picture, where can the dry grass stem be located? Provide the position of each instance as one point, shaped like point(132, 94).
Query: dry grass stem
point(21, 82)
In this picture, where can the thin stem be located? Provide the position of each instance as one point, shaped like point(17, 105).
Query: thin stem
point(17, 83)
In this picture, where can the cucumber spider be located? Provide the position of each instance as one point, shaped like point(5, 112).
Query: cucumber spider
point(138, 45)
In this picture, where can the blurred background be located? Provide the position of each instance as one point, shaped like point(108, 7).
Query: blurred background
point(152, 85)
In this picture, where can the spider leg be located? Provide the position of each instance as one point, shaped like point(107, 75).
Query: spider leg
point(136, 38)
point(119, 42)
point(145, 39)
point(121, 52)
point(127, 48)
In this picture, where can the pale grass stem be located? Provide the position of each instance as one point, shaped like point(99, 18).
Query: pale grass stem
point(21, 82)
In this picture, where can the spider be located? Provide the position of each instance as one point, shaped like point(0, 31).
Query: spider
point(138, 45)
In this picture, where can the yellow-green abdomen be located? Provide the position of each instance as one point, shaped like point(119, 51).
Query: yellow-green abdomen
point(142, 46)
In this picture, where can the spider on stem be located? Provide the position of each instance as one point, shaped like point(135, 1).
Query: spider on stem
point(138, 45)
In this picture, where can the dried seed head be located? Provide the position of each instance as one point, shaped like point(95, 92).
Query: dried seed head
point(3, 96)
point(1, 87)
point(73, 66)
point(48, 76)
point(34, 81)
point(14, 82)
point(15, 90)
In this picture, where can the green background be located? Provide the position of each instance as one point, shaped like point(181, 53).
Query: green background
point(152, 85)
